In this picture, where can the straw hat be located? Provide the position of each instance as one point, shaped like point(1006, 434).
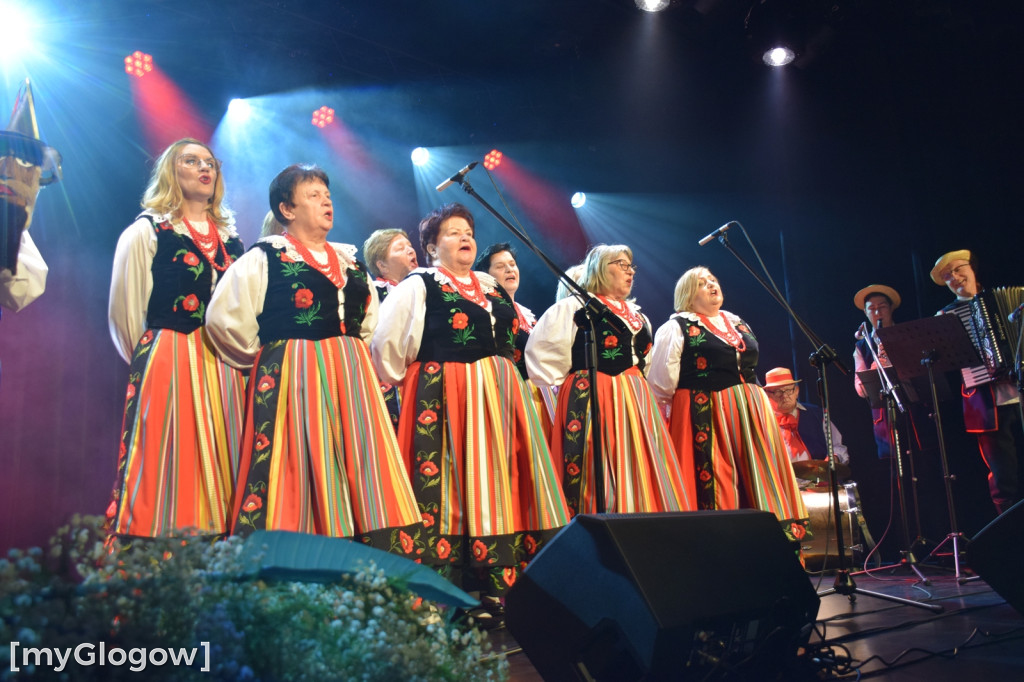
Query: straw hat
point(780, 376)
point(944, 261)
point(861, 296)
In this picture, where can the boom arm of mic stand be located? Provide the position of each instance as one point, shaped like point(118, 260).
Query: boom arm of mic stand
point(592, 308)
point(821, 348)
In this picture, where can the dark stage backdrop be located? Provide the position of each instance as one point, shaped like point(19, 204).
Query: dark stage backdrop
point(860, 167)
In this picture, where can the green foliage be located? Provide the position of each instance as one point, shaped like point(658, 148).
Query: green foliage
point(178, 592)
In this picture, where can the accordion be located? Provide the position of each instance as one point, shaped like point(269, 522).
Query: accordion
point(995, 338)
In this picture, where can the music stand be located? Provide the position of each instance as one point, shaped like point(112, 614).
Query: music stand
point(924, 347)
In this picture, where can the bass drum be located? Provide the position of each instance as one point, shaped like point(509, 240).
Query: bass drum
point(819, 550)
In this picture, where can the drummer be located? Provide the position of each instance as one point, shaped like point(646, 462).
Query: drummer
point(801, 425)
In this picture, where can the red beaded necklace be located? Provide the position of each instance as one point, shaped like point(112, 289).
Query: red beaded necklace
point(622, 309)
point(729, 334)
point(332, 270)
point(473, 291)
point(209, 244)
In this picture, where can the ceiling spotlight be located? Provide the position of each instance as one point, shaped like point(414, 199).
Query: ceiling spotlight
point(652, 5)
point(239, 110)
point(776, 31)
point(323, 117)
point(579, 198)
point(778, 56)
point(420, 156)
point(138, 64)
point(492, 160)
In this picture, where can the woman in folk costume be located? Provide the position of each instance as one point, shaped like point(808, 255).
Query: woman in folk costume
point(183, 411)
point(704, 365)
point(477, 452)
point(641, 470)
point(318, 452)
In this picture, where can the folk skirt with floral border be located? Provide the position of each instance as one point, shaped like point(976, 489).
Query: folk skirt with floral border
point(733, 455)
point(179, 439)
point(319, 453)
point(641, 469)
point(480, 464)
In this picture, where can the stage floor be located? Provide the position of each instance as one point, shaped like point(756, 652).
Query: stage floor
point(977, 636)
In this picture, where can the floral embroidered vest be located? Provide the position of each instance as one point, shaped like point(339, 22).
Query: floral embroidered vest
point(182, 280)
point(302, 303)
point(457, 330)
point(616, 345)
point(710, 364)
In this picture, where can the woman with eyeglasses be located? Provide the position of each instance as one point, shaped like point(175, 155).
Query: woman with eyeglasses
point(183, 408)
point(641, 469)
point(704, 366)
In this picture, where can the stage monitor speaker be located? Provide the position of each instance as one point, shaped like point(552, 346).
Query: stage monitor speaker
point(671, 596)
point(997, 554)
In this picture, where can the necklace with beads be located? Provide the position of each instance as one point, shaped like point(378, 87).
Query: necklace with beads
point(622, 309)
point(729, 334)
point(331, 270)
point(472, 291)
point(209, 244)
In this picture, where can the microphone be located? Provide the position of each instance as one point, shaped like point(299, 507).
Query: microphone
point(717, 233)
point(861, 331)
point(1015, 315)
point(457, 178)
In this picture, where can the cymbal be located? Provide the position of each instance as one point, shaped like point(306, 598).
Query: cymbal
point(817, 469)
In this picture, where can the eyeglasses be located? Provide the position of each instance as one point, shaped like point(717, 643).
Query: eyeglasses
point(781, 392)
point(948, 277)
point(192, 161)
point(624, 264)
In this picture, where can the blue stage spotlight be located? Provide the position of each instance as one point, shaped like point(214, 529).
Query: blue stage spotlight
point(420, 156)
point(239, 110)
point(578, 199)
point(18, 28)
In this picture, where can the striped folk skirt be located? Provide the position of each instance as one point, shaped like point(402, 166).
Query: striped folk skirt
point(641, 469)
point(179, 440)
point(480, 464)
point(319, 453)
point(733, 454)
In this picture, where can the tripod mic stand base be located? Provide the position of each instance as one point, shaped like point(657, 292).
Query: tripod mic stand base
point(845, 585)
point(908, 560)
point(955, 538)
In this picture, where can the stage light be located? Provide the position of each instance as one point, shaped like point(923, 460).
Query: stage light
point(138, 64)
point(778, 56)
point(652, 5)
point(17, 39)
point(420, 156)
point(239, 110)
point(323, 116)
point(578, 199)
point(492, 160)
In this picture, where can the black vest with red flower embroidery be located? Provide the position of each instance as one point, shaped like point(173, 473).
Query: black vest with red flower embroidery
point(709, 363)
point(616, 345)
point(457, 330)
point(302, 303)
point(182, 280)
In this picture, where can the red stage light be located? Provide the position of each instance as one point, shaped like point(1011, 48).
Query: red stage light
point(138, 64)
point(492, 160)
point(323, 116)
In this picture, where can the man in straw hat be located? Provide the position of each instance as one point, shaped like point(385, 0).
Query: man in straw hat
point(878, 302)
point(991, 410)
point(800, 422)
point(26, 163)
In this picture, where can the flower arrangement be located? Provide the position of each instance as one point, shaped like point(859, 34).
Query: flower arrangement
point(177, 592)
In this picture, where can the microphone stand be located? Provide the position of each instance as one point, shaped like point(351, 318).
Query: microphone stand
point(820, 358)
point(892, 404)
point(592, 309)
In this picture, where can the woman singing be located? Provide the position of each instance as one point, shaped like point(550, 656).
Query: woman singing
point(318, 454)
point(703, 364)
point(641, 470)
point(480, 464)
point(183, 411)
